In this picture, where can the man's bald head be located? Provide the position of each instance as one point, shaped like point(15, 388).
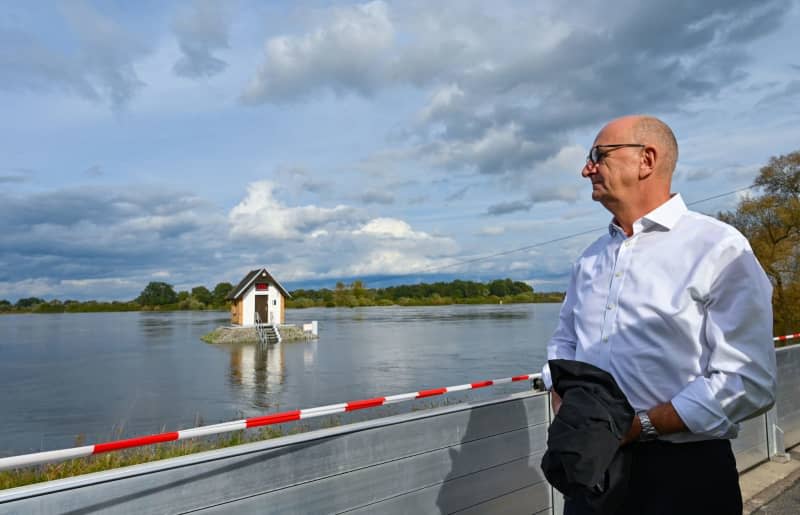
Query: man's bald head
point(649, 130)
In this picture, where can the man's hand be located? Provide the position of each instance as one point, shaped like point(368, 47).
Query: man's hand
point(555, 399)
point(664, 418)
point(633, 432)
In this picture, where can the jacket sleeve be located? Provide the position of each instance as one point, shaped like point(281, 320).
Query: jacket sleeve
point(564, 340)
point(739, 381)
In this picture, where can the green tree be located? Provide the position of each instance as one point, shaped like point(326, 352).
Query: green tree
point(221, 292)
point(157, 293)
point(29, 302)
point(500, 287)
point(201, 294)
point(359, 289)
point(771, 222)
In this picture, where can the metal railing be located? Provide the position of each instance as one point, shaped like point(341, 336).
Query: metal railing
point(261, 330)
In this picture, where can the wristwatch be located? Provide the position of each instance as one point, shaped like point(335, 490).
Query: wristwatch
point(648, 429)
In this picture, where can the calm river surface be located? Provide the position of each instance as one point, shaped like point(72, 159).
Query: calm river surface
point(102, 375)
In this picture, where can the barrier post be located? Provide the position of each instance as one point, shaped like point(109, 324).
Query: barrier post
point(776, 447)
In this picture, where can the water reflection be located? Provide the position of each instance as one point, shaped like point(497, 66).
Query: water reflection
point(436, 314)
point(157, 324)
point(309, 353)
point(257, 370)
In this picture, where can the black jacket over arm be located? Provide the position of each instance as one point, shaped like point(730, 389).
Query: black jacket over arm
point(583, 457)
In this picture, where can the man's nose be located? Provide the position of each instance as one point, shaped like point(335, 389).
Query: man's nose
point(589, 169)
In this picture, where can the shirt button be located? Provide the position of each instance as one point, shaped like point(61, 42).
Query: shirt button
point(605, 339)
point(610, 306)
point(618, 274)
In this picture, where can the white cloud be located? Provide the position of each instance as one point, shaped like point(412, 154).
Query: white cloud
point(392, 246)
point(343, 55)
point(387, 261)
point(391, 228)
point(261, 215)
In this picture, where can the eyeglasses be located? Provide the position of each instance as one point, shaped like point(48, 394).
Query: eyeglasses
point(596, 154)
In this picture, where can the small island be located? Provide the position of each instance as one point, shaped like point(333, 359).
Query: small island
point(241, 335)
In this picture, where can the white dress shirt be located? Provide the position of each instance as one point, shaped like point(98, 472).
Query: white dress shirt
point(681, 311)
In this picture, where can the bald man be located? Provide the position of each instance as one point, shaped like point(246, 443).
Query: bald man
point(675, 306)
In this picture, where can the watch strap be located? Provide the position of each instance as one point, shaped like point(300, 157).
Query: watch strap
point(649, 431)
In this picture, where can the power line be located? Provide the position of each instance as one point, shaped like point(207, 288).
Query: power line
point(721, 195)
point(548, 242)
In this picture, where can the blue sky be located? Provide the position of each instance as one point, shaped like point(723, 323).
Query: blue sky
point(189, 142)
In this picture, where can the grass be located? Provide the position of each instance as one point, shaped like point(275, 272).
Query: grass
point(135, 456)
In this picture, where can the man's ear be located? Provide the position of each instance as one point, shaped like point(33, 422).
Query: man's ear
point(647, 164)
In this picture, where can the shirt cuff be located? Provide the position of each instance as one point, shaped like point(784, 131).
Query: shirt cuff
point(701, 411)
point(548, 381)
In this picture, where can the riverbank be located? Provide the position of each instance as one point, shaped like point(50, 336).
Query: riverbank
point(238, 335)
point(366, 302)
point(158, 296)
point(538, 298)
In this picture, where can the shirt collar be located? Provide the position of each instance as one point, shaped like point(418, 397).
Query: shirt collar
point(666, 215)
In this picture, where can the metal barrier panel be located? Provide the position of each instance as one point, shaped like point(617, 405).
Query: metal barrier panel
point(788, 399)
point(750, 448)
point(473, 458)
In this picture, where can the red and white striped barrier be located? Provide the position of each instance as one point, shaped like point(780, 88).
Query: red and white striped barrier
point(786, 337)
point(39, 458)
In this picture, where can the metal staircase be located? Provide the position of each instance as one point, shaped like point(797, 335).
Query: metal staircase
point(267, 333)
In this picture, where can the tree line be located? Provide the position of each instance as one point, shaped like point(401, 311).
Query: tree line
point(162, 296)
point(155, 296)
point(422, 294)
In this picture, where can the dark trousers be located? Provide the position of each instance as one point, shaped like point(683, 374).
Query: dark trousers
point(698, 478)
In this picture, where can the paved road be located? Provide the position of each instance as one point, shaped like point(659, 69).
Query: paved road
point(787, 503)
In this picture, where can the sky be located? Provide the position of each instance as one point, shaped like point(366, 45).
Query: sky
point(392, 142)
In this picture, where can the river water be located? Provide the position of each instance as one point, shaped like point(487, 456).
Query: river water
point(93, 377)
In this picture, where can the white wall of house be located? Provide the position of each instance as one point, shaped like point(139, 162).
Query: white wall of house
point(274, 305)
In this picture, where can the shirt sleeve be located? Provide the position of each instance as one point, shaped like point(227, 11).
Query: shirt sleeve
point(739, 381)
point(564, 340)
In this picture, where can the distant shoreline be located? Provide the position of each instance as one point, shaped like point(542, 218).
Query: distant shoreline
point(225, 310)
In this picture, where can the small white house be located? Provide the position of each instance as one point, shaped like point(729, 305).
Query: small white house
point(258, 292)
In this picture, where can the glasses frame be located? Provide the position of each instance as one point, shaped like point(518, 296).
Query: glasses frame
point(599, 154)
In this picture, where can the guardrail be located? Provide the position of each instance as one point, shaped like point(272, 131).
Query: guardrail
point(39, 458)
point(472, 458)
